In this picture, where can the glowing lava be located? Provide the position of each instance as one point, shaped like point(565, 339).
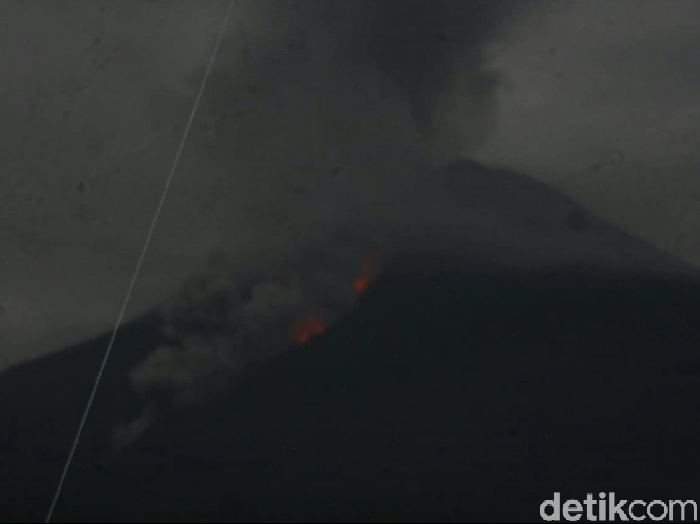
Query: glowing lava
point(366, 272)
point(309, 326)
point(313, 324)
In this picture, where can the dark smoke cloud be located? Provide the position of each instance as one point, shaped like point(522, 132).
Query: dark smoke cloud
point(422, 48)
point(344, 57)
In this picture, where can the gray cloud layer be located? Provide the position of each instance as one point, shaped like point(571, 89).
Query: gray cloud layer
point(602, 100)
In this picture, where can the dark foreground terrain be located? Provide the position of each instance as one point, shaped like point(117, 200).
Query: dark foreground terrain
point(442, 397)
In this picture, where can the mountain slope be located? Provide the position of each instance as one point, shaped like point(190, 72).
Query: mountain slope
point(446, 396)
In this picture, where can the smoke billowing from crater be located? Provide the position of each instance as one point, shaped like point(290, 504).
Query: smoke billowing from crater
point(219, 324)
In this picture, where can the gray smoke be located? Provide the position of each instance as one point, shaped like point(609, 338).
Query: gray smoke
point(223, 321)
point(294, 59)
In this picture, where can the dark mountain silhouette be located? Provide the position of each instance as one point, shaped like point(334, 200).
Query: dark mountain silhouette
point(459, 389)
point(444, 396)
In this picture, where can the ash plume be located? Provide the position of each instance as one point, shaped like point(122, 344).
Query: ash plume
point(222, 322)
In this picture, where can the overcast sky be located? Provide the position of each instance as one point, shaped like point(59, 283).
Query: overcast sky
point(319, 118)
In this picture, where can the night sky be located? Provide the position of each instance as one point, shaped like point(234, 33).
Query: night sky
point(418, 260)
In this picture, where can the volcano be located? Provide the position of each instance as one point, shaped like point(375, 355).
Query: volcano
point(457, 390)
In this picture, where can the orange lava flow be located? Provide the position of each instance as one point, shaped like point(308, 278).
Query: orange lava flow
point(312, 324)
point(309, 326)
point(360, 284)
point(362, 281)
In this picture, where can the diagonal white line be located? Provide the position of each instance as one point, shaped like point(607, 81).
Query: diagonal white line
point(168, 182)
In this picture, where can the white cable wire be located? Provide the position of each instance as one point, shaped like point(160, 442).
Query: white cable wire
point(138, 265)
